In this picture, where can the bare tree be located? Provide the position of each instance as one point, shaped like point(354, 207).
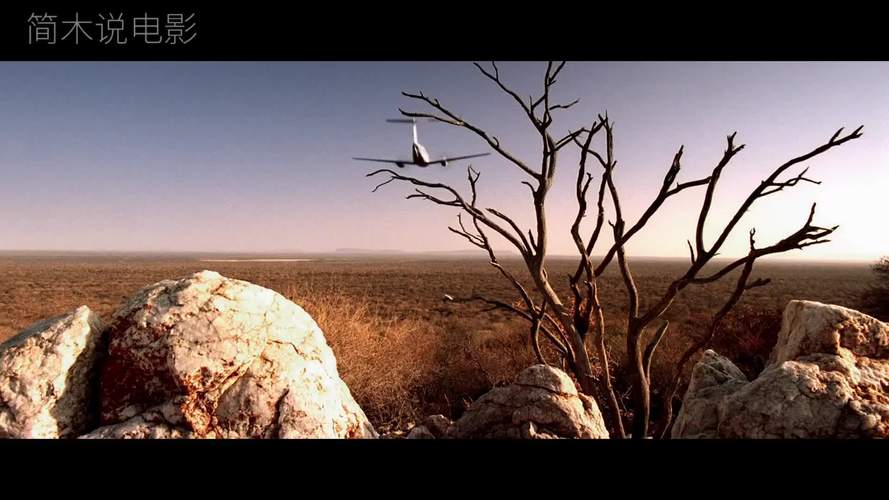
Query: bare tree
point(567, 326)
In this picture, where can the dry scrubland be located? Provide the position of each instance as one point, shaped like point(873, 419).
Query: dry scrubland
point(405, 352)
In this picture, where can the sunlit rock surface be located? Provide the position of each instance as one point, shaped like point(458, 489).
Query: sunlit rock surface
point(542, 403)
point(827, 377)
point(47, 377)
point(209, 356)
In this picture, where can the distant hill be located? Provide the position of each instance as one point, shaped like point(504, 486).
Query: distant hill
point(471, 252)
point(369, 251)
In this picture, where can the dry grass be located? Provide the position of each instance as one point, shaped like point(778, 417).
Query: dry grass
point(403, 351)
point(380, 359)
point(402, 369)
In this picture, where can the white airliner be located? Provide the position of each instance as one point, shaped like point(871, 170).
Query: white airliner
point(419, 155)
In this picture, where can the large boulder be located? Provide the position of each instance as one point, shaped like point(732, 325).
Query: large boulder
point(827, 377)
point(209, 356)
point(542, 403)
point(47, 375)
point(712, 378)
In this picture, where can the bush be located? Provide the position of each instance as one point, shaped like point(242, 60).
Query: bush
point(875, 300)
point(400, 370)
point(747, 337)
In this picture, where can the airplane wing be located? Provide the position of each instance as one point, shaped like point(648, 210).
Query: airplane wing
point(399, 163)
point(443, 161)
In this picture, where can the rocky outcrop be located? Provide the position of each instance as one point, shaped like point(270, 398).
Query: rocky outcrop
point(200, 357)
point(712, 378)
point(542, 403)
point(420, 432)
point(827, 377)
point(438, 425)
point(814, 328)
point(208, 356)
point(433, 427)
point(47, 377)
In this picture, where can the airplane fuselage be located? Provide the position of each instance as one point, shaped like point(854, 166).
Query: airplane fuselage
point(419, 155)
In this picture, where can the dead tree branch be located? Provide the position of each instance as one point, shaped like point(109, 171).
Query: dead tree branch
point(567, 327)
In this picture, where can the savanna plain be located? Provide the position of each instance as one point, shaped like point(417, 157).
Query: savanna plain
point(405, 351)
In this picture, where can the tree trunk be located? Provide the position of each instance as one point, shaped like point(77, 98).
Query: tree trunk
point(641, 389)
point(583, 368)
point(582, 365)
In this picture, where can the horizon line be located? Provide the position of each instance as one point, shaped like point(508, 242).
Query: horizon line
point(394, 252)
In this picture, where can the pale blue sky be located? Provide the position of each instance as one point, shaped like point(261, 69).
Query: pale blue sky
point(256, 156)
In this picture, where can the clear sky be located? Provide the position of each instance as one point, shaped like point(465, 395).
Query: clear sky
point(256, 156)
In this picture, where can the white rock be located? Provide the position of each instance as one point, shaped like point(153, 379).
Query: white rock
point(713, 377)
point(827, 377)
point(47, 377)
point(811, 327)
point(162, 422)
point(237, 360)
point(543, 402)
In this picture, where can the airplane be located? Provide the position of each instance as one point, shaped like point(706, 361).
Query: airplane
point(419, 155)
